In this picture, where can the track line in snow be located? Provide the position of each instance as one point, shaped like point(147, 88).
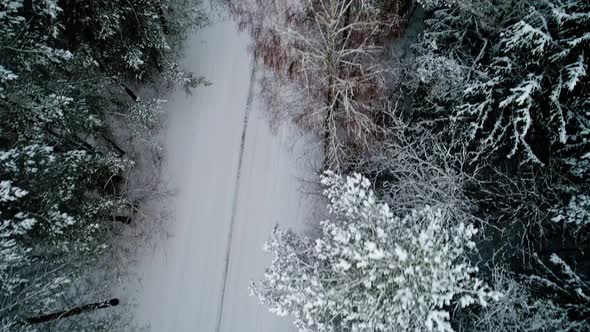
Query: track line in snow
point(236, 194)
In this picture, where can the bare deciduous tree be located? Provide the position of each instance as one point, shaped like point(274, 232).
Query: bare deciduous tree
point(331, 48)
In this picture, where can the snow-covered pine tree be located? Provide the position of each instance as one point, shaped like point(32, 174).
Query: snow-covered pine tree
point(134, 39)
point(489, 64)
point(54, 223)
point(516, 98)
point(370, 270)
point(450, 43)
point(506, 81)
point(531, 93)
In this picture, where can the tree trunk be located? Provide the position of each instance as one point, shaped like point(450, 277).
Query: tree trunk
point(114, 145)
point(115, 183)
point(85, 145)
point(327, 164)
point(122, 219)
point(73, 311)
point(327, 135)
point(72, 142)
point(28, 8)
point(163, 20)
point(130, 93)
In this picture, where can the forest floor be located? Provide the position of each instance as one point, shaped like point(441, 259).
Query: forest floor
point(233, 180)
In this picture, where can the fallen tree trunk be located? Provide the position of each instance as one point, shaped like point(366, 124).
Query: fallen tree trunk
point(72, 312)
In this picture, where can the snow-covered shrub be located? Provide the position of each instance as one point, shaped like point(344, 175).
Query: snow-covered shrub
point(372, 271)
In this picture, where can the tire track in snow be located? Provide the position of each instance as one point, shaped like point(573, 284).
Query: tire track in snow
point(236, 194)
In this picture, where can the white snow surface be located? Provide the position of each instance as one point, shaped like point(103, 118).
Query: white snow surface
point(234, 181)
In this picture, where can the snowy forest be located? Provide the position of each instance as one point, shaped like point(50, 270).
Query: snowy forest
point(457, 178)
point(67, 73)
point(454, 169)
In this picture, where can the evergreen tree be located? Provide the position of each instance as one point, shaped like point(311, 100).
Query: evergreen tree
point(64, 71)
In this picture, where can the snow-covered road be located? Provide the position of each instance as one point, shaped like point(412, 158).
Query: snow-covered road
point(234, 181)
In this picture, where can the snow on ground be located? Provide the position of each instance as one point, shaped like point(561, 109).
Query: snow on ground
point(234, 180)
